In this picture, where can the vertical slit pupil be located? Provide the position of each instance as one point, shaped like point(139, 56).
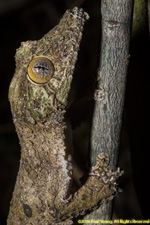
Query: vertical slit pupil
point(42, 68)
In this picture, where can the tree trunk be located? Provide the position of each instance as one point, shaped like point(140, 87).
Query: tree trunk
point(109, 96)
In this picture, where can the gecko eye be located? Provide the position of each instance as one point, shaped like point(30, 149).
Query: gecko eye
point(40, 71)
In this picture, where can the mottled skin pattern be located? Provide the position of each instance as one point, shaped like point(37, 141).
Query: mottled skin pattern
point(42, 190)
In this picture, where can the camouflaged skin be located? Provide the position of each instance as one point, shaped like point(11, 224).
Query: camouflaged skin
point(42, 190)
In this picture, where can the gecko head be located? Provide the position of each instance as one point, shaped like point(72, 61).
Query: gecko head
point(44, 69)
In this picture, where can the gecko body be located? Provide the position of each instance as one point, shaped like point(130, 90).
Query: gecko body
point(38, 96)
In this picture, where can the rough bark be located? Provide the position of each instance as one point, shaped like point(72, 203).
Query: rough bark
point(109, 96)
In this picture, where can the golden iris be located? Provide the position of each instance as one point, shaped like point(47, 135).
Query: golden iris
point(40, 70)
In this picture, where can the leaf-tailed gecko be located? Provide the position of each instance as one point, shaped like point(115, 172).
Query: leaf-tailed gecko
point(38, 96)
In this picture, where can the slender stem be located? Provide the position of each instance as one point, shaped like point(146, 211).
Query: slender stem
point(137, 103)
point(109, 96)
point(140, 20)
